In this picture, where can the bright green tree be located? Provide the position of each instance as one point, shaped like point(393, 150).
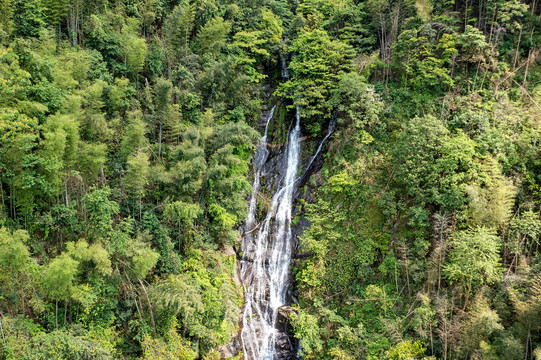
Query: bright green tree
point(100, 211)
point(474, 259)
point(95, 125)
point(163, 100)
point(6, 19)
point(134, 138)
point(183, 216)
point(189, 170)
point(317, 62)
point(15, 263)
point(212, 36)
point(13, 79)
point(136, 53)
point(58, 279)
point(137, 175)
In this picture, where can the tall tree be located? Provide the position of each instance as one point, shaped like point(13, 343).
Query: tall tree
point(315, 69)
point(58, 279)
point(163, 100)
point(179, 27)
point(137, 176)
point(474, 259)
point(6, 19)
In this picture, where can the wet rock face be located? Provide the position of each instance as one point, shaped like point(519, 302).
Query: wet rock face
point(230, 350)
point(266, 278)
point(264, 266)
point(284, 344)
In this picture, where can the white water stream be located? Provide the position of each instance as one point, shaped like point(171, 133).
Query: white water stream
point(267, 247)
point(265, 278)
point(260, 157)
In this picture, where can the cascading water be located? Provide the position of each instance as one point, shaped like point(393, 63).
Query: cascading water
point(330, 131)
point(267, 247)
point(265, 277)
point(261, 155)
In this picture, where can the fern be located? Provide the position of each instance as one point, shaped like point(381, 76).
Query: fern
point(180, 296)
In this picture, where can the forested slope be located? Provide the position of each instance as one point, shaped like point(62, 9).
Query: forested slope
point(127, 129)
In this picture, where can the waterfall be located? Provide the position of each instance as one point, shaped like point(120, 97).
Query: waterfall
point(267, 247)
point(265, 278)
point(330, 131)
point(261, 155)
point(285, 70)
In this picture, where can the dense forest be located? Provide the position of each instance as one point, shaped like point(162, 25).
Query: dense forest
point(127, 131)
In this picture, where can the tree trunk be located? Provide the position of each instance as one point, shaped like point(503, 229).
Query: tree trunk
point(2, 329)
point(149, 307)
point(160, 141)
point(467, 297)
point(66, 304)
point(56, 315)
point(66, 190)
point(516, 51)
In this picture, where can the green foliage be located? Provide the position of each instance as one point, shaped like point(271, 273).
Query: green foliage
point(421, 67)
point(6, 19)
point(91, 159)
point(119, 95)
point(29, 18)
point(14, 257)
point(183, 215)
point(26, 340)
point(136, 53)
point(18, 276)
point(179, 26)
point(407, 350)
point(95, 125)
point(100, 212)
point(356, 101)
point(134, 139)
point(12, 78)
point(26, 170)
point(315, 68)
point(307, 329)
point(204, 300)
point(59, 276)
point(211, 37)
point(56, 10)
point(434, 166)
point(172, 346)
point(137, 174)
point(188, 171)
point(227, 82)
point(492, 205)
point(125, 147)
point(93, 254)
point(474, 259)
point(480, 328)
point(143, 258)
